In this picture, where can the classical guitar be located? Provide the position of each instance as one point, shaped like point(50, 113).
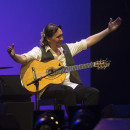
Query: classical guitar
point(53, 72)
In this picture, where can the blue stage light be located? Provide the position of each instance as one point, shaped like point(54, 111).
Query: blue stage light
point(47, 121)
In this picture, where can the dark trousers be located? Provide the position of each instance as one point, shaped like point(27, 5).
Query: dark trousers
point(69, 96)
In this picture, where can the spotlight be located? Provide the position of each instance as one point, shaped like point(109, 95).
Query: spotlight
point(84, 119)
point(47, 121)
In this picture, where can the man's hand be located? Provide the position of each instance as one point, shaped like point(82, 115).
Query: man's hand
point(11, 50)
point(113, 25)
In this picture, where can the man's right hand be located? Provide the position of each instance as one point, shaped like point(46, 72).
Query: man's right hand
point(11, 50)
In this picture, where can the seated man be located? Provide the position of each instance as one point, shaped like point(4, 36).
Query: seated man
point(71, 90)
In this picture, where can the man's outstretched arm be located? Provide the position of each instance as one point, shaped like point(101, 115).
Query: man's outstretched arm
point(112, 26)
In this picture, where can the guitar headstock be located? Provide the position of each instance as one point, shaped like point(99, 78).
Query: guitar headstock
point(101, 64)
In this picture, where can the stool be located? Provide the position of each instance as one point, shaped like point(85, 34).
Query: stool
point(47, 102)
point(57, 104)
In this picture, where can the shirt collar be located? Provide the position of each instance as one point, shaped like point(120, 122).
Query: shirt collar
point(47, 48)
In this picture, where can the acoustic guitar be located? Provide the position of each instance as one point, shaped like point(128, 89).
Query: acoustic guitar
point(53, 72)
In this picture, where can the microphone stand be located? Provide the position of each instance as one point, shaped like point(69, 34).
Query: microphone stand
point(36, 83)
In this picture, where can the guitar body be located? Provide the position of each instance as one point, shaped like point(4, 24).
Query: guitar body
point(41, 70)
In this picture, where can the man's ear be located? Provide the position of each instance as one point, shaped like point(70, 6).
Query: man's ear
point(48, 39)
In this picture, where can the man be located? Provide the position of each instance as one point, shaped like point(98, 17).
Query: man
point(71, 90)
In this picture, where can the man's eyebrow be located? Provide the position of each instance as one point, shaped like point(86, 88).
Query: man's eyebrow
point(60, 35)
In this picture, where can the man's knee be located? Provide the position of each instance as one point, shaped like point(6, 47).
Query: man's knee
point(96, 92)
point(69, 92)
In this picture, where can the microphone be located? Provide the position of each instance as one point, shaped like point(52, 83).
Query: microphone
point(34, 73)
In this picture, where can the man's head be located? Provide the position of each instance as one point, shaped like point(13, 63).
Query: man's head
point(52, 35)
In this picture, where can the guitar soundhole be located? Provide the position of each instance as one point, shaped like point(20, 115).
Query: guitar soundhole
point(51, 71)
point(52, 74)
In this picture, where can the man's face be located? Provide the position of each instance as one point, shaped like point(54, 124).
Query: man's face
point(56, 39)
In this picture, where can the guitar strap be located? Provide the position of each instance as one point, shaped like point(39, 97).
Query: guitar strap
point(47, 56)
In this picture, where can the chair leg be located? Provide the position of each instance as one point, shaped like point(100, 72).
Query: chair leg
point(59, 107)
point(56, 105)
point(83, 103)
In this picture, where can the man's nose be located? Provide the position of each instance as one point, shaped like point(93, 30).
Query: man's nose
point(61, 38)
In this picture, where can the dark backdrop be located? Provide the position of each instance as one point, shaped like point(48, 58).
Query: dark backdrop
point(113, 83)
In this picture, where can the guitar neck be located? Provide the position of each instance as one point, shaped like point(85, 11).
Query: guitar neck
point(75, 67)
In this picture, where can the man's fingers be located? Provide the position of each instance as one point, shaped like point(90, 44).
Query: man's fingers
point(13, 46)
point(110, 20)
point(9, 49)
point(119, 20)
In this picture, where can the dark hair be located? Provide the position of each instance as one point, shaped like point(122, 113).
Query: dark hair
point(48, 31)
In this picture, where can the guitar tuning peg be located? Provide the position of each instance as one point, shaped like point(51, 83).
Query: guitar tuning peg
point(108, 60)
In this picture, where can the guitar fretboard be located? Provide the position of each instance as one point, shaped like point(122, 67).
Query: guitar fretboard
point(75, 67)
